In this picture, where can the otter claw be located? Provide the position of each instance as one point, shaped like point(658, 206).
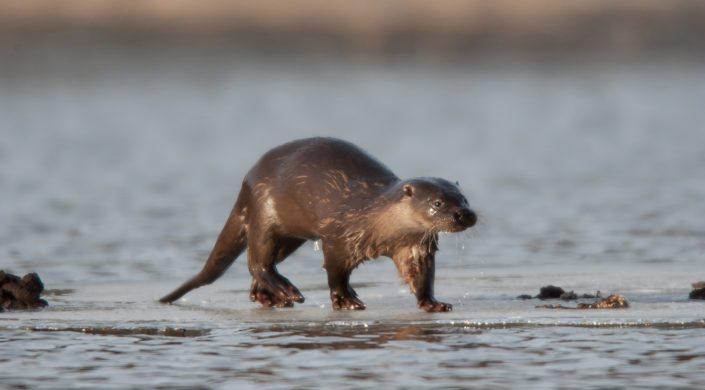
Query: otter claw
point(435, 307)
point(346, 302)
point(275, 296)
point(267, 300)
point(295, 295)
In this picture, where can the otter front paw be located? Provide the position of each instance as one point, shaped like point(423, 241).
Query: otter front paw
point(433, 306)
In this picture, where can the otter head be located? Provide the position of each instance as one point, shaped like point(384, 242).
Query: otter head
point(437, 205)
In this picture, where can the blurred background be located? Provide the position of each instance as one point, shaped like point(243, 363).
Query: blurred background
point(575, 127)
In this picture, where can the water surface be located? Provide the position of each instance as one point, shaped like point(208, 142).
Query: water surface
point(118, 168)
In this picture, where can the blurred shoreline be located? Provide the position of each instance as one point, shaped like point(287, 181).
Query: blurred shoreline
point(453, 28)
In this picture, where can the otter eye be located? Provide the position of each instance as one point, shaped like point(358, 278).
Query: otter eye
point(437, 203)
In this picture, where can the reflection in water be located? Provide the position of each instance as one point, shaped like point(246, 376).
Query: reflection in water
point(328, 356)
point(111, 331)
point(333, 338)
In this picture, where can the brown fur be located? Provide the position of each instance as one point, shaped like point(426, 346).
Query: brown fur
point(328, 189)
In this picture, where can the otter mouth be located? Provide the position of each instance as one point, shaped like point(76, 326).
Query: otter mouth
point(460, 220)
point(464, 218)
point(456, 229)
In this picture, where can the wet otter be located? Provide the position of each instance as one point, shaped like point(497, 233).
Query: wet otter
point(329, 189)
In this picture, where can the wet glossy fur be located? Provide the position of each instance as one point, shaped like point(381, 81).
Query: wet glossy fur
point(329, 189)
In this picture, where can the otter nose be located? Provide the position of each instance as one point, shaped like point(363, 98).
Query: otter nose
point(465, 217)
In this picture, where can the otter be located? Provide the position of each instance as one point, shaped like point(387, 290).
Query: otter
point(331, 190)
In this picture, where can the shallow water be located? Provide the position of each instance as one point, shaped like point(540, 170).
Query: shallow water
point(216, 338)
point(118, 168)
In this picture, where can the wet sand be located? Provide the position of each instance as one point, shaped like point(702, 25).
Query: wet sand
point(216, 338)
point(484, 296)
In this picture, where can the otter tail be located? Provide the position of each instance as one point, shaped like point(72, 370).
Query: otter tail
point(230, 244)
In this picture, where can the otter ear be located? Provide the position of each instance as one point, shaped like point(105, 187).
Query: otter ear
point(457, 183)
point(408, 190)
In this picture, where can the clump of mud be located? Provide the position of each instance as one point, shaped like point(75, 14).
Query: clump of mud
point(554, 292)
point(611, 302)
point(20, 293)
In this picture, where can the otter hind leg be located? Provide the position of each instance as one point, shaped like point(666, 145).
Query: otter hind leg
point(342, 294)
point(269, 288)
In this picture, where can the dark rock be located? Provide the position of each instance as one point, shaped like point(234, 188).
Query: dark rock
point(698, 293)
point(21, 293)
point(553, 292)
point(550, 292)
point(8, 278)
